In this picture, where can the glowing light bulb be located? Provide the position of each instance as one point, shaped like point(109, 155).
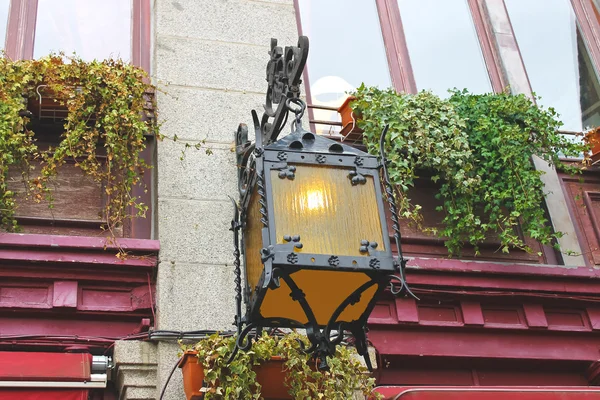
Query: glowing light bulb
point(315, 200)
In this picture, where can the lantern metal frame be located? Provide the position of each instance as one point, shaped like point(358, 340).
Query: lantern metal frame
point(255, 162)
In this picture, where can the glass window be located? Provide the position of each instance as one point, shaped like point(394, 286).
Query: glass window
point(443, 46)
point(557, 61)
point(3, 21)
point(346, 49)
point(94, 29)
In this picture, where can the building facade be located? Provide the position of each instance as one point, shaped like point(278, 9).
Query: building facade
point(493, 320)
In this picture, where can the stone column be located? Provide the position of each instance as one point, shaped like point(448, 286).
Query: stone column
point(209, 63)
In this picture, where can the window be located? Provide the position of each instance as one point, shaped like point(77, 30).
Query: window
point(443, 46)
point(557, 60)
point(94, 29)
point(408, 44)
point(341, 54)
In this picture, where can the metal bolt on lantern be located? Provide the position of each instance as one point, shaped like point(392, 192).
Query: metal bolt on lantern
point(314, 235)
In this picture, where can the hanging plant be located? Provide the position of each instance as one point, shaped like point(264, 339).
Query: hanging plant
point(105, 101)
point(478, 148)
point(237, 380)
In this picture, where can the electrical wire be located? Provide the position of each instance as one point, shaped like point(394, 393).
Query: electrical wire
point(164, 389)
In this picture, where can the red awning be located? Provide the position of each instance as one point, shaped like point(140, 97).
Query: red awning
point(44, 376)
point(488, 393)
point(36, 366)
point(43, 394)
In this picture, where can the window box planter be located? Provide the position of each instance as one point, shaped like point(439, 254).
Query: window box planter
point(593, 139)
point(271, 376)
point(350, 130)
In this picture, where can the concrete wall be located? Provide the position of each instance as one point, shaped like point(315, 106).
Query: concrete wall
point(209, 63)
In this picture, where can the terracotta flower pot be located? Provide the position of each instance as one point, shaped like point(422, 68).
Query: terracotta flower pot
point(271, 376)
point(593, 139)
point(350, 130)
point(193, 376)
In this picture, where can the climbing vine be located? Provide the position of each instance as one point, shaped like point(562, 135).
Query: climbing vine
point(107, 114)
point(478, 149)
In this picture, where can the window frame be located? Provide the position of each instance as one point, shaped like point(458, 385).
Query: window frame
point(19, 43)
point(21, 27)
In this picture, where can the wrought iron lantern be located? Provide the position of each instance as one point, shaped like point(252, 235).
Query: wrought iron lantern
point(315, 241)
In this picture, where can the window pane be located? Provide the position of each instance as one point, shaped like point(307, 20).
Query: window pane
point(556, 60)
point(94, 29)
point(346, 49)
point(3, 21)
point(443, 46)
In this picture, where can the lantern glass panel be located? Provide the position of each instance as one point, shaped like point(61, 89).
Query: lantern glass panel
point(330, 214)
point(253, 242)
point(324, 290)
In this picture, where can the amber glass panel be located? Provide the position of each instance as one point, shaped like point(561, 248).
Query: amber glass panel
point(330, 215)
point(324, 290)
point(253, 242)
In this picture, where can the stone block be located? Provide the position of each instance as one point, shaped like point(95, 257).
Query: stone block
point(134, 352)
point(208, 64)
point(195, 231)
point(138, 376)
point(195, 297)
point(211, 115)
point(195, 174)
point(138, 393)
point(239, 21)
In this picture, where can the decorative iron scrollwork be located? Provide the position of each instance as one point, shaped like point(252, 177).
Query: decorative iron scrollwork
point(284, 75)
point(400, 261)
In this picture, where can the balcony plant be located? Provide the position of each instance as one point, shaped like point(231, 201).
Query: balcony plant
point(106, 102)
point(478, 148)
point(241, 379)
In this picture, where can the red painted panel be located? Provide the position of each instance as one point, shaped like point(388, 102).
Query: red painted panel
point(43, 394)
point(535, 316)
point(438, 313)
point(446, 265)
point(72, 257)
point(103, 299)
point(34, 366)
point(382, 312)
point(472, 314)
point(482, 344)
point(71, 325)
point(456, 393)
point(571, 318)
point(25, 296)
point(65, 294)
point(501, 315)
point(532, 377)
point(406, 310)
point(69, 242)
point(594, 316)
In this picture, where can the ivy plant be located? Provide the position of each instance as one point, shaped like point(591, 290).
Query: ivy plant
point(106, 104)
point(478, 150)
point(237, 380)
